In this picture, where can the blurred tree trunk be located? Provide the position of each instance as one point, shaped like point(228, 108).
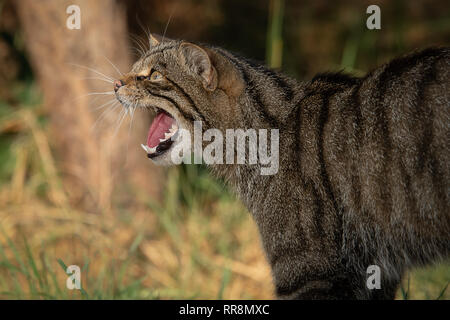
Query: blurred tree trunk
point(93, 162)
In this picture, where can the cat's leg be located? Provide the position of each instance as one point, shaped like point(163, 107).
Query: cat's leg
point(322, 290)
point(342, 289)
point(317, 283)
point(338, 283)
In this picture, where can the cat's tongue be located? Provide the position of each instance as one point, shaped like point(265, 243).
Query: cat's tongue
point(160, 125)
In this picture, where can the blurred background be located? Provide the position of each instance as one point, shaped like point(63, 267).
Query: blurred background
point(76, 189)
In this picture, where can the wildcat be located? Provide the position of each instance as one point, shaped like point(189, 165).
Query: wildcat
point(364, 162)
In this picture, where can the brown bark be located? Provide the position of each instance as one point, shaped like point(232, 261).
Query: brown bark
point(93, 163)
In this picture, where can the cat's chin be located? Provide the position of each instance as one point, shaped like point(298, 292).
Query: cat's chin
point(163, 160)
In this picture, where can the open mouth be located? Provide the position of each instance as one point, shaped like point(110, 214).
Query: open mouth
point(161, 135)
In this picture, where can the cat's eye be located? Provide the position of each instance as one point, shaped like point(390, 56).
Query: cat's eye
point(155, 76)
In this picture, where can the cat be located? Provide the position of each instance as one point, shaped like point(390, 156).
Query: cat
point(364, 162)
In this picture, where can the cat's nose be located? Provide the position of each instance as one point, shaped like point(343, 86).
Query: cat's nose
point(118, 84)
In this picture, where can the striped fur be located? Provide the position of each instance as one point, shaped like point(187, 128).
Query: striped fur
point(364, 163)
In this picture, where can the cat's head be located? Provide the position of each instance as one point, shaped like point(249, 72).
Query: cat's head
point(181, 82)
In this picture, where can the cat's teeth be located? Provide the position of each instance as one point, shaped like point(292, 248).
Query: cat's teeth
point(169, 135)
point(148, 149)
point(162, 140)
point(174, 128)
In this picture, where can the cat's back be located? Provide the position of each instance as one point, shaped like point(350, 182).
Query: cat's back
point(405, 117)
point(397, 167)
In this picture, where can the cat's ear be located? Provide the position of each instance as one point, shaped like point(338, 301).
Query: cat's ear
point(199, 62)
point(154, 39)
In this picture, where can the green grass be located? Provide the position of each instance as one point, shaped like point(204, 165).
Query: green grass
point(24, 276)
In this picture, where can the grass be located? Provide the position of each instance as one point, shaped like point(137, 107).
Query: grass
point(274, 45)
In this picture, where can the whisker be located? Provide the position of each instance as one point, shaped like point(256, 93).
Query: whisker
point(137, 52)
point(141, 45)
point(132, 110)
point(121, 116)
point(105, 104)
point(93, 70)
point(97, 78)
point(103, 115)
point(146, 31)
point(114, 66)
point(141, 48)
point(99, 93)
point(167, 24)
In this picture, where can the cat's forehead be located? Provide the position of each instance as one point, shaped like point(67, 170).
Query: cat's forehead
point(146, 63)
point(158, 55)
